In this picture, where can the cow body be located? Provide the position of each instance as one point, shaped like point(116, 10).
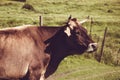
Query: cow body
point(34, 53)
point(21, 48)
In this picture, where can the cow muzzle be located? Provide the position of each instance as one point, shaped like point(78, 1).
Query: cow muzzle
point(92, 47)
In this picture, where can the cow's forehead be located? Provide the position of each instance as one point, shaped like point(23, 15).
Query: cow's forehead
point(73, 23)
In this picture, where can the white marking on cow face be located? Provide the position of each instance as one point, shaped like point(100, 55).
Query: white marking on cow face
point(67, 31)
point(92, 47)
point(72, 24)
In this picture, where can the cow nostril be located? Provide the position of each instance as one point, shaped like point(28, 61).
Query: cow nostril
point(94, 46)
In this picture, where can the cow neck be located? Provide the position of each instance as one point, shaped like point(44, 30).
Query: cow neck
point(53, 65)
point(58, 51)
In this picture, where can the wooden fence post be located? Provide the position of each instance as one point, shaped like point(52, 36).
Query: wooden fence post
point(91, 27)
point(40, 21)
point(102, 46)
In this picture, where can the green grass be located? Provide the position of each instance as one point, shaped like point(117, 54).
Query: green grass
point(105, 13)
point(79, 68)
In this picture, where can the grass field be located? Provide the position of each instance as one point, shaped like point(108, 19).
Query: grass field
point(85, 69)
point(105, 13)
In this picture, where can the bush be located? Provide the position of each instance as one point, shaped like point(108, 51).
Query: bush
point(28, 7)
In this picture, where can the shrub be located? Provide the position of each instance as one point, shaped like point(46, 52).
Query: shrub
point(28, 7)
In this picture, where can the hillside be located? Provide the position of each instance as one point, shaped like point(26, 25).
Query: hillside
point(105, 13)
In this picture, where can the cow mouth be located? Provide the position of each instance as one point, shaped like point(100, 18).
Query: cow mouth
point(92, 47)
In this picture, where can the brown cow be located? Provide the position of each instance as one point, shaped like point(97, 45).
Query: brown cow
point(32, 53)
point(22, 51)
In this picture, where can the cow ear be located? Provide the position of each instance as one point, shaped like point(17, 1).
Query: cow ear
point(69, 17)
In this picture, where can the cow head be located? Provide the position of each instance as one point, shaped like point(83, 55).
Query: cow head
point(78, 39)
point(68, 40)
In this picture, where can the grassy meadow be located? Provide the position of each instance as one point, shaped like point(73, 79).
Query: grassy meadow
point(105, 13)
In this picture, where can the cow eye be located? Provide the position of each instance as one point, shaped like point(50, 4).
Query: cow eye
point(77, 32)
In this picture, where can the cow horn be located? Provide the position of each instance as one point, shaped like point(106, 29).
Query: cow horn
point(85, 20)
